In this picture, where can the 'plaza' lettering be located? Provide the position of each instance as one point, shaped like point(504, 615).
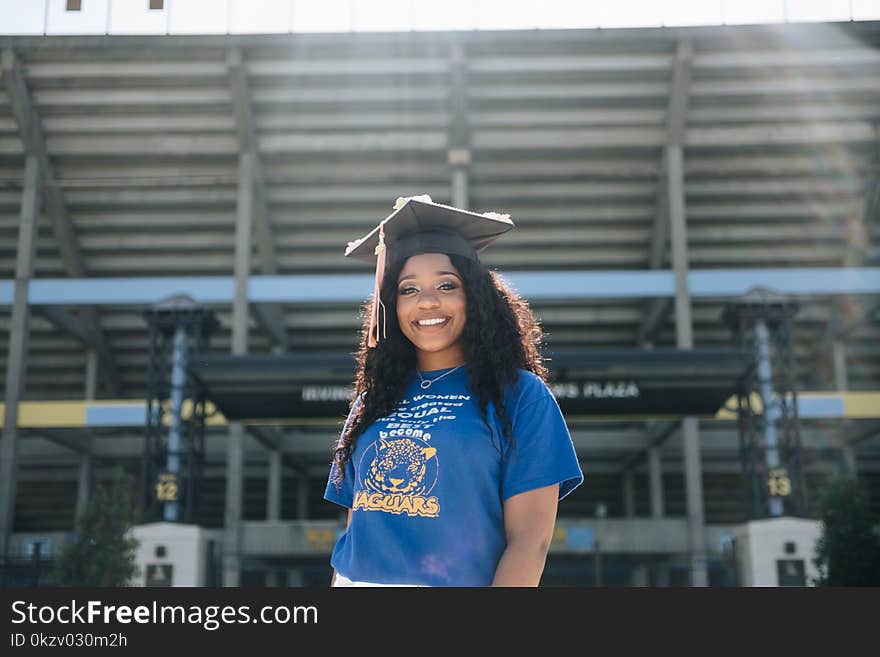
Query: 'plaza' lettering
point(596, 390)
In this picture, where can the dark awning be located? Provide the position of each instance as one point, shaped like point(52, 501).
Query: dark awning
point(626, 382)
point(657, 382)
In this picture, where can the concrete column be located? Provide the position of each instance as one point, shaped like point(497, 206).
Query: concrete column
point(459, 156)
point(629, 494)
point(273, 508)
point(655, 474)
point(16, 360)
point(685, 340)
point(838, 355)
point(662, 574)
point(91, 386)
point(234, 505)
point(294, 577)
point(841, 383)
point(639, 575)
point(678, 238)
point(243, 246)
point(273, 492)
point(302, 497)
point(84, 483)
point(693, 474)
point(236, 434)
point(460, 188)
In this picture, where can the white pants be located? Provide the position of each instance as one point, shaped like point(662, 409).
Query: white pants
point(342, 580)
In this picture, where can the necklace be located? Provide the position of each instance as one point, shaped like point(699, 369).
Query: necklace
point(426, 383)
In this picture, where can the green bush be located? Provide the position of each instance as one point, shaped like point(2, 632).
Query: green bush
point(103, 552)
point(848, 551)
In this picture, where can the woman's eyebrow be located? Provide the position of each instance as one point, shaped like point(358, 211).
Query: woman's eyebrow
point(439, 273)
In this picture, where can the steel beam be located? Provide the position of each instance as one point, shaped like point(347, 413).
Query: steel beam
point(864, 436)
point(86, 331)
point(538, 286)
point(657, 432)
point(68, 442)
point(270, 319)
point(33, 140)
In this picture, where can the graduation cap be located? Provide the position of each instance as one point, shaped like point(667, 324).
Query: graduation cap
point(418, 225)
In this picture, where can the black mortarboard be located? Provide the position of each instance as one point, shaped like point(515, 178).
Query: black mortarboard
point(418, 225)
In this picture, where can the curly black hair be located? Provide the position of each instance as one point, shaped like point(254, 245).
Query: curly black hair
point(501, 336)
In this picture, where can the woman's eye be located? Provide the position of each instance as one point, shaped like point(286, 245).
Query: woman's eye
point(445, 285)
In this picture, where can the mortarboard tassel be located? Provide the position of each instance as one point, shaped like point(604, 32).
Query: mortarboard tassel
point(373, 338)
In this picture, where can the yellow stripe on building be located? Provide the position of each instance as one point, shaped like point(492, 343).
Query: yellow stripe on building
point(861, 404)
point(49, 414)
point(74, 414)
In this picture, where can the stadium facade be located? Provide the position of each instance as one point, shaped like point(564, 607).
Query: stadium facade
point(665, 183)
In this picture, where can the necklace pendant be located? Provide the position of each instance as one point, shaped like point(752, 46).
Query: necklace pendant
point(425, 384)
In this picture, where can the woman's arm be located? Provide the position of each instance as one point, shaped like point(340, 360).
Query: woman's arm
point(347, 523)
point(529, 520)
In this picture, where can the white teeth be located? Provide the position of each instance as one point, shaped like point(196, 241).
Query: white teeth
point(431, 322)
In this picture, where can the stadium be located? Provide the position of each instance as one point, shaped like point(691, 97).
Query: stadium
point(697, 217)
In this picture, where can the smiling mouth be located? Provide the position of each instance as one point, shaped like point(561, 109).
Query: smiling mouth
point(433, 326)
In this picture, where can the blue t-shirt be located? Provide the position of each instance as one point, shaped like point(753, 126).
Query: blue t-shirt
point(427, 483)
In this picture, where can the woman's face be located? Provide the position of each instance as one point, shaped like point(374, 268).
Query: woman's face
point(431, 309)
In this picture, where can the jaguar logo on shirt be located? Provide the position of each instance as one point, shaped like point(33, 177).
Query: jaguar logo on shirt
point(398, 477)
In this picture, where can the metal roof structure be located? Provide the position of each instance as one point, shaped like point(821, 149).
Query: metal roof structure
point(657, 383)
point(145, 151)
point(566, 132)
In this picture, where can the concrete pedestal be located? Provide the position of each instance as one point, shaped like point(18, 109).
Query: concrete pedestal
point(776, 552)
point(172, 554)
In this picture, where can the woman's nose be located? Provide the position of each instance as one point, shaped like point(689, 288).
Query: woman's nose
point(429, 300)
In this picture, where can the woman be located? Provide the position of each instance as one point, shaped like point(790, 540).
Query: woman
point(454, 454)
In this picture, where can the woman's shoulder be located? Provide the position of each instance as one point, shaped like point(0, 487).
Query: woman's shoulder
point(529, 388)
